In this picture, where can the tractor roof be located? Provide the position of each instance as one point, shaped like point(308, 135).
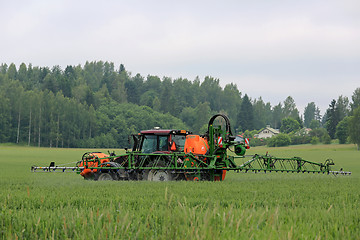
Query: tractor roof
point(165, 132)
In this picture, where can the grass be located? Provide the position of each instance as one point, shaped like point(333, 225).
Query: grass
point(256, 206)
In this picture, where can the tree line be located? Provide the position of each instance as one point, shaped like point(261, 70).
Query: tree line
point(98, 105)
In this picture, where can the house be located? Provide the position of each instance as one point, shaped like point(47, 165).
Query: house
point(303, 132)
point(267, 132)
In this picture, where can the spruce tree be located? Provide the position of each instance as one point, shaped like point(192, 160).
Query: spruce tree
point(246, 114)
point(332, 119)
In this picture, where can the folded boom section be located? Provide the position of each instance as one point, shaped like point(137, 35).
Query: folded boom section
point(266, 163)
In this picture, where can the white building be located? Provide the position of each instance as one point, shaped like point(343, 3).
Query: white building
point(267, 132)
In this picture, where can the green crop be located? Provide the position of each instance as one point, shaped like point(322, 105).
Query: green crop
point(244, 206)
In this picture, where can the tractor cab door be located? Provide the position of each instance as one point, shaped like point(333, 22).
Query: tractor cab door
point(155, 143)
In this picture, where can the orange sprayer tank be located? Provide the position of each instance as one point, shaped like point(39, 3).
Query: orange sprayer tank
point(92, 162)
point(196, 144)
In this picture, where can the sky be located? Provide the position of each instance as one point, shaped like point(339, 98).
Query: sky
point(309, 49)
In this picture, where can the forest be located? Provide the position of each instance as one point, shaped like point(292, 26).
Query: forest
point(99, 105)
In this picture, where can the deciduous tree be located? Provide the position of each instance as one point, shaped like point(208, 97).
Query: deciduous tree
point(354, 127)
point(289, 125)
point(355, 100)
point(342, 130)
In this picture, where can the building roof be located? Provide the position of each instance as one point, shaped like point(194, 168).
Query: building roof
point(274, 131)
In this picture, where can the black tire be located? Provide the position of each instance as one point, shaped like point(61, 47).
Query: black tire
point(160, 175)
point(179, 177)
point(105, 177)
point(144, 175)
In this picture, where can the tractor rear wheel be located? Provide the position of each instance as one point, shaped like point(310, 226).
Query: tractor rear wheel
point(158, 175)
point(105, 177)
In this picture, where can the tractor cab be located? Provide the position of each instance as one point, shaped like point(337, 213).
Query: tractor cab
point(160, 140)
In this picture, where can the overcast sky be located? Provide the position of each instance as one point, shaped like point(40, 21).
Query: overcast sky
point(309, 50)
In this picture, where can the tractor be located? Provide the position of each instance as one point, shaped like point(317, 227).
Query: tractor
point(165, 155)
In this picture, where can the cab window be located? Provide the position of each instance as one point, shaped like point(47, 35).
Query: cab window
point(163, 143)
point(179, 141)
point(149, 144)
point(153, 143)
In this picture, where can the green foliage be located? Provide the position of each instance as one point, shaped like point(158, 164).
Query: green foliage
point(197, 117)
point(246, 114)
point(113, 117)
point(249, 134)
point(342, 107)
point(210, 87)
point(317, 132)
point(147, 98)
point(321, 134)
point(277, 116)
point(290, 110)
point(355, 100)
point(315, 140)
point(232, 99)
point(12, 72)
point(4, 118)
point(258, 142)
point(312, 116)
point(342, 130)
point(289, 125)
point(314, 124)
point(332, 119)
point(309, 114)
point(262, 113)
point(326, 139)
point(354, 127)
point(279, 140)
point(42, 106)
point(336, 112)
point(297, 139)
point(45, 119)
point(134, 88)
